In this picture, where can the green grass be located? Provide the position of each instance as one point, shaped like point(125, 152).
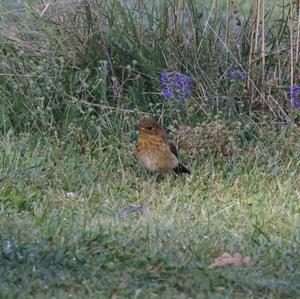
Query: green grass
point(54, 245)
point(60, 60)
point(66, 140)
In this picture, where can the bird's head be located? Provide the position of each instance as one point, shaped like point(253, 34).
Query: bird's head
point(149, 126)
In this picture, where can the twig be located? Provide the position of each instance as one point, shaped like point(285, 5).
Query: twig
point(102, 106)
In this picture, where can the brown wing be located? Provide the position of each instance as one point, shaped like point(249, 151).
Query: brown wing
point(173, 149)
point(179, 168)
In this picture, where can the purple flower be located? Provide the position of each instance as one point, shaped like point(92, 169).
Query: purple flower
point(235, 73)
point(295, 96)
point(167, 84)
point(176, 85)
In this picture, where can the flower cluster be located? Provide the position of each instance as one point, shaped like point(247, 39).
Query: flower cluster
point(235, 73)
point(175, 85)
point(295, 96)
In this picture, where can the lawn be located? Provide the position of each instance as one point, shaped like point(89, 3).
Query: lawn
point(79, 218)
point(61, 235)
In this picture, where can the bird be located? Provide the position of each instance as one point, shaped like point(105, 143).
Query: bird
point(154, 151)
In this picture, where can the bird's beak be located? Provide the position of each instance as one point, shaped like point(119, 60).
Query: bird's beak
point(136, 126)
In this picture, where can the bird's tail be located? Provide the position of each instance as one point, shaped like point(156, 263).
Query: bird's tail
point(180, 168)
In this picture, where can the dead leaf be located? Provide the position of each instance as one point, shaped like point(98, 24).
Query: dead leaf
point(235, 260)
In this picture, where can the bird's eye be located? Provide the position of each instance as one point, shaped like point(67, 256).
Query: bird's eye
point(150, 128)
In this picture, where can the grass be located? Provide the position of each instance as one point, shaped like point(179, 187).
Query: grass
point(59, 245)
point(75, 76)
point(61, 59)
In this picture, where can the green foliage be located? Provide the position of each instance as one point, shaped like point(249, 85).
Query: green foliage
point(59, 61)
point(61, 235)
point(75, 76)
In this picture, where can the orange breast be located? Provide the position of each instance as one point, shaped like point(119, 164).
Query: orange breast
point(155, 155)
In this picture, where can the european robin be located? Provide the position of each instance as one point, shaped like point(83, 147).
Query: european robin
point(154, 151)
